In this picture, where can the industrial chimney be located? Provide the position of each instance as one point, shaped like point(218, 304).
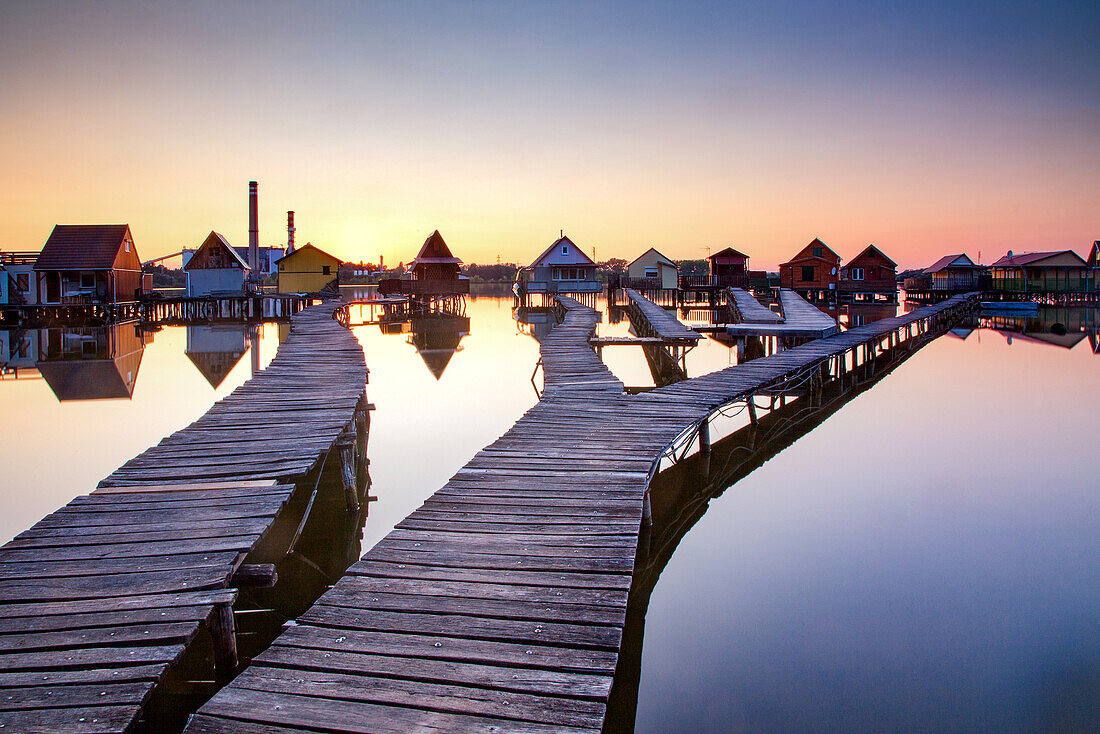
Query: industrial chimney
point(253, 231)
point(289, 232)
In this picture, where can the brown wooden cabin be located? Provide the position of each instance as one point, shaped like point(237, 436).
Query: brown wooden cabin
point(435, 272)
point(729, 268)
point(868, 275)
point(813, 273)
point(88, 263)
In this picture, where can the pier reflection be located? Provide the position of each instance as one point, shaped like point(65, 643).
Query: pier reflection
point(78, 363)
point(681, 494)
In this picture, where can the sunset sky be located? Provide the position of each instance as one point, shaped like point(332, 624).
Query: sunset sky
point(925, 128)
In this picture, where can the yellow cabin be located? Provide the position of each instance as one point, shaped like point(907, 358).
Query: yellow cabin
point(306, 270)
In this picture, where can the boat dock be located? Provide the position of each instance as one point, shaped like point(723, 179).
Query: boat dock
point(499, 604)
point(103, 597)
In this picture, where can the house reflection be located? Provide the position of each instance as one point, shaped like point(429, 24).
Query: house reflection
point(535, 321)
point(437, 338)
point(859, 314)
point(90, 363)
point(216, 349)
point(1057, 327)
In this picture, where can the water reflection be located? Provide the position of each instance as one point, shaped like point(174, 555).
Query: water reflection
point(436, 339)
point(534, 321)
point(681, 495)
point(216, 349)
point(1057, 327)
point(926, 559)
point(78, 363)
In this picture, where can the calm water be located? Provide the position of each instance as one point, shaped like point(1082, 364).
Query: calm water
point(927, 558)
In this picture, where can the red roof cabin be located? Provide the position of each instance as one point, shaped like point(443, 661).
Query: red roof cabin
point(729, 268)
point(868, 275)
point(88, 263)
point(813, 273)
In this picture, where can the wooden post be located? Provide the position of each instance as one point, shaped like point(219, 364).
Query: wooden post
point(752, 409)
point(345, 444)
point(224, 632)
point(704, 436)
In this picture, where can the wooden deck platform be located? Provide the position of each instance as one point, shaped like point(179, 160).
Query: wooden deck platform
point(499, 604)
point(751, 310)
point(101, 598)
point(800, 319)
point(648, 317)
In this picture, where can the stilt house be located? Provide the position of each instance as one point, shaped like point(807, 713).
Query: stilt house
point(88, 263)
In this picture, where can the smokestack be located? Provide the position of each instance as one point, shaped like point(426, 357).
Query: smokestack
point(253, 230)
point(289, 232)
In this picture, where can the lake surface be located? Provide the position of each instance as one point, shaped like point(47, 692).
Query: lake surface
point(926, 558)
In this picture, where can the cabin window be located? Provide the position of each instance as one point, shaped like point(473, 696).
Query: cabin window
point(651, 272)
point(87, 281)
point(126, 244)
point(817, 252)
point(857, 274)
point(22, 282)
point(565, 249)
point(326, 270)
point(568, 274)
point(807, 272)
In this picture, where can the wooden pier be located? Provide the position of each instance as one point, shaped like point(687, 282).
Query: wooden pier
point(750, 310)
point(649, 319)
point(801, 319)
point(101, 599)
point(499, 605)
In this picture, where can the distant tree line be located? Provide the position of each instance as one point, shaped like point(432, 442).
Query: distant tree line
point(498, 273)
point(166, 277)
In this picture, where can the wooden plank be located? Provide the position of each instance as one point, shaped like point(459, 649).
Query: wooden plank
point(188, 487)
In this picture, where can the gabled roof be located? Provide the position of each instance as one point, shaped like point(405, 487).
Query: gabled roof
point(215, 366)
point(216, 240)
point(563, 240)
point(1027, 258)
point(82, 247)
point(1094, 255)
point(304, 248)
point(799, 257)
point(660, 257)
point(728, 252)
point(868, 249)
point(955, 261)
point(435, 252)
